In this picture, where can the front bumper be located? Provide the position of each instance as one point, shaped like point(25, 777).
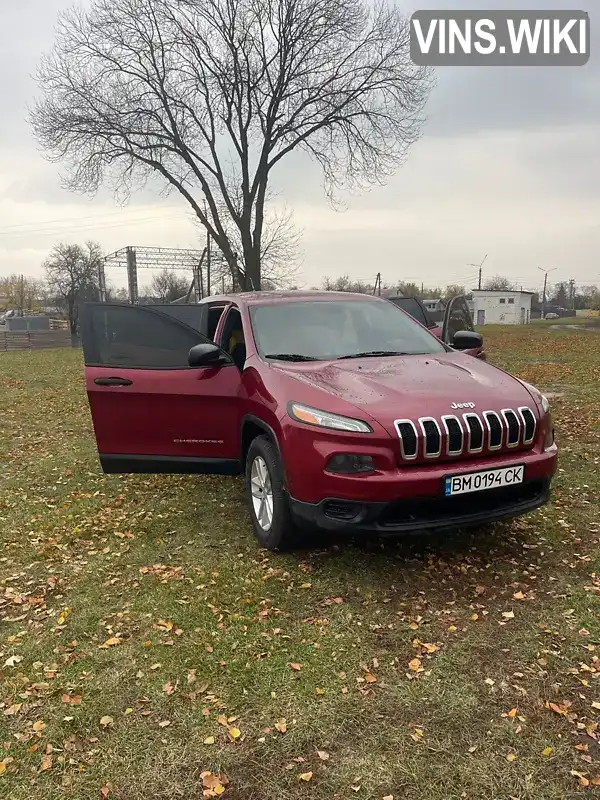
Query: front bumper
point(414, 515)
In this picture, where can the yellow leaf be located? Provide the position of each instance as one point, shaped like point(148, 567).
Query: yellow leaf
point(512, 713)
point(596, 781)
point(508, 614)
point(415, 664)
point(389, 797)
point(128, 711)
point(519, 596)
point(112, 642)
point(235, 733)
point(596, 705)
point(156, 666)
point(2, 767)
point(46, 763)
point(39, 725)
point(219, 789)
point(452, 629)
point(474, 617)
point(547, 751)
point(319, 691)
point(413, 626)
point(511, 757)
point(306, 586)
point(106, 721)
point(306, 776)
point(370, 678)
point(222, 720)
point(209, 740)
point(430, 648)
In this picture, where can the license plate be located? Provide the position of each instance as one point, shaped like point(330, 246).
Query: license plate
point(487, 479)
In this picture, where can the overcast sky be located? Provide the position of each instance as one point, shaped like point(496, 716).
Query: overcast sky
point(509, 166)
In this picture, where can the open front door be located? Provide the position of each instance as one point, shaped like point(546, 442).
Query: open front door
point(457, 317)
point(151, 411)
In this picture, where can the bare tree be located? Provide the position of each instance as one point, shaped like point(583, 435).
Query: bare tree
point(454, 290)
point(167, 286)
point(498, 284)
point(211, 95)
point(72, 276)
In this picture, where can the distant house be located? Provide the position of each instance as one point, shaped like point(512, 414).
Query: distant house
point(434, 304)
point(501, 307)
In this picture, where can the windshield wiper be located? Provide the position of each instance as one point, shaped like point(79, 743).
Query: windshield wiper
point(369, 353)
point(290, 357)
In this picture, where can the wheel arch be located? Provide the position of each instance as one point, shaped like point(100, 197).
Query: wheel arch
point(251, 428)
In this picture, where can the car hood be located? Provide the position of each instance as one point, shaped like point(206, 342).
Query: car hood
point(409, 387)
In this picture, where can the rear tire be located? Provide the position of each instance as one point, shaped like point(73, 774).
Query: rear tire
point(267, 498)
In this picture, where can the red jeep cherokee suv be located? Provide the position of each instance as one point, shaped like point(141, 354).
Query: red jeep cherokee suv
point(341, 410)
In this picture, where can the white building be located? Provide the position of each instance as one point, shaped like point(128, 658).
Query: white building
point(501, 307)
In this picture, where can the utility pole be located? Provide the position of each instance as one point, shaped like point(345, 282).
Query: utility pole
point(545, 271)
point(572, 294)
point(480, 268)
point(377, 287)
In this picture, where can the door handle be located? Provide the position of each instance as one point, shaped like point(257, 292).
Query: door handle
point(112, 381)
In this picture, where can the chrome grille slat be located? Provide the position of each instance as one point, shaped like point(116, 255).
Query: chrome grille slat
point(452, 436)
point(529, 424)
point(513, 425)
point(475, 436)
point(495, 430)
point(432, 437)
point(409, 438)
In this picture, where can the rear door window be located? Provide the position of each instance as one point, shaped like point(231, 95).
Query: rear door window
point(412, 306)
point(136, 337)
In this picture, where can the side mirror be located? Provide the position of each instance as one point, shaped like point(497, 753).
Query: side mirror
point(205, 354)
point(467, 340)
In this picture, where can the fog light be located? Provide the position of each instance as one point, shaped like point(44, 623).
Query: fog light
point(350, 464)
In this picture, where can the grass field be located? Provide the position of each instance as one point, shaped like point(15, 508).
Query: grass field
point(150, 650)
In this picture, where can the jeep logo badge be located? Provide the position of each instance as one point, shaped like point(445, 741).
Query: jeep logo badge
point(462, 405)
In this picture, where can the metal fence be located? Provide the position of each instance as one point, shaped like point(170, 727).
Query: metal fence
point(36, 340)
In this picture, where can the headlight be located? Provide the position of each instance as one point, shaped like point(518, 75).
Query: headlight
point(545, 403)
point(324, 419)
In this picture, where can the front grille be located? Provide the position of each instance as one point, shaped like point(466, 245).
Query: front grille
point(467, 434)
point(436, 509)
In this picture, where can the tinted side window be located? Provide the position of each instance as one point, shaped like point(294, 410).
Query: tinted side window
point(191, 314)
point(214, 315)
point(135, 337)
point(412, 307)
point(459, 318)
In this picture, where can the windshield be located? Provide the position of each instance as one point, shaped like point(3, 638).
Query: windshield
point(330, 329)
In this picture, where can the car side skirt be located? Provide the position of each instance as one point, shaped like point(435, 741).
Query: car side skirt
point(115, 464)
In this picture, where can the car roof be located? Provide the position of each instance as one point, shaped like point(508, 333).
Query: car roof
point(290, 296)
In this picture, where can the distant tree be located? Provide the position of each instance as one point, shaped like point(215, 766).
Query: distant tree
point(560, 295)
point(119, 295)
point(346, 284)
point(72, 276)
point(588, 297)
point(21, 293)
point(454, 290)
point(408, 289)
point(167, 286)
point(209, 96)
point(498, 284)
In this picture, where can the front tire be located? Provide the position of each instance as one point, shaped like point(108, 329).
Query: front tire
point(269, 507)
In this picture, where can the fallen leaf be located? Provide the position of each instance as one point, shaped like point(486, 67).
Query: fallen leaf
point(323, 755)
point(583, 781)
point(164, 724)
point(370, 678)
point(508, 614)
point(106, 721)
point(235, 733)
point(38, 725)
point(511, 757)
point(12, 661)
point(156, 666)
point(319, 691)
point(105, 791)
point(209, 740)
point(430, 648)
point(513, 713)
point(222, 720)
point(296, 667)
point(168, 688)
point(46, 763)
point(112, 642)
point(562, 709)
point(596, 705)
point(415, 664)
point(389, 797)
point(519, 596)
point(547, 751)
point(452, 629)
point(281, 725)
point(489, 681)
point(306, 776)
